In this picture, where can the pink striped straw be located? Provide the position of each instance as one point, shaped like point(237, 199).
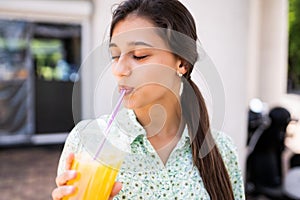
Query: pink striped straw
point(110, 120)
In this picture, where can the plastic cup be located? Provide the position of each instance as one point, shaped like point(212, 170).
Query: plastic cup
point(98, 161)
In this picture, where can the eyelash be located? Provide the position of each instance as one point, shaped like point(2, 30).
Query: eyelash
point(139, 57)
point(114, 57)
point(134, 57)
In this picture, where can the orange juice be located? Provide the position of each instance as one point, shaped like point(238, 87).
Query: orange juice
point(94, 179)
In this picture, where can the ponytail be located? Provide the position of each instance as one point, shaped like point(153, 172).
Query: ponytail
point(206, 156)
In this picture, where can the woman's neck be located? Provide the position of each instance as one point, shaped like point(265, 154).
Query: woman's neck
point(161, 118)
point(163, 124)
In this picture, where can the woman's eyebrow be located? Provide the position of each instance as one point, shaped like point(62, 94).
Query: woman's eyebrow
point(136, 43)
point(112, 45)
point(139, 43)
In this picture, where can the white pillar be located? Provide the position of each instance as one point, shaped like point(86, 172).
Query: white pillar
point(273, 57)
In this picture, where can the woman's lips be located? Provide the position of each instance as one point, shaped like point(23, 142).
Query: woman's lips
point(126, 88)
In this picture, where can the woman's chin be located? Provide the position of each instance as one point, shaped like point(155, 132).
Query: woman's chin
point(128, 104)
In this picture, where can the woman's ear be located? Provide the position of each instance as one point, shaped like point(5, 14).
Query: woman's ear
point(183, 66)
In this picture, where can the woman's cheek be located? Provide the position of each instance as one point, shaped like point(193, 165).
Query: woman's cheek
point(130, 101)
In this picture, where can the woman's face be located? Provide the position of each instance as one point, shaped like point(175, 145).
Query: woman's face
point(143, 64)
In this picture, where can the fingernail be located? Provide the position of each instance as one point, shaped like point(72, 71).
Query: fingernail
point(70, 189)
point(73, 173)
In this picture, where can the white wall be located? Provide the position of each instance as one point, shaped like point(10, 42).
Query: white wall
point(223, 31)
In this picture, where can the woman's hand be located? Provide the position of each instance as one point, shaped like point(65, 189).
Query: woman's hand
point(61, 180)
point(63, 190)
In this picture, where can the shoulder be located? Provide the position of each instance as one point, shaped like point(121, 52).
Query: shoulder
point(228, 151)
point(223, 141)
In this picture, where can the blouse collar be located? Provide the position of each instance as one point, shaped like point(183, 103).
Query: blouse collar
point(128, 121)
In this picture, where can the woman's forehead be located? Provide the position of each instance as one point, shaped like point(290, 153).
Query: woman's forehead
point(132, 22)
point(148, 37)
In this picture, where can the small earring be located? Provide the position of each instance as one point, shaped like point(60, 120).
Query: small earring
point(179, 74)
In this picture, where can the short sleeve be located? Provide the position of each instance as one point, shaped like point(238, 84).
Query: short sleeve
point(229, 154)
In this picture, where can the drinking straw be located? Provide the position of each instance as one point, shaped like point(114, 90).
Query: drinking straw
point(110, 120)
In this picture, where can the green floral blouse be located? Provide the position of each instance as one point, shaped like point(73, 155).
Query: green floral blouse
point(145, 176)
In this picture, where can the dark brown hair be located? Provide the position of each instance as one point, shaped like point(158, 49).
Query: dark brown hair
point(172, 15)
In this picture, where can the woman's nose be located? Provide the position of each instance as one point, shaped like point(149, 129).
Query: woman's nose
point(121, 67)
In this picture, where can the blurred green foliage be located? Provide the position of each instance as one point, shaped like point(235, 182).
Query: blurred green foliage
point(294, 46)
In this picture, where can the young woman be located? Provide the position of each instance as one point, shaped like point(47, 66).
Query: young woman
point(173, 151)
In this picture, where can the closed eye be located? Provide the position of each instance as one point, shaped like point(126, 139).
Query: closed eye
point(115, 57)
point(140, 57)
